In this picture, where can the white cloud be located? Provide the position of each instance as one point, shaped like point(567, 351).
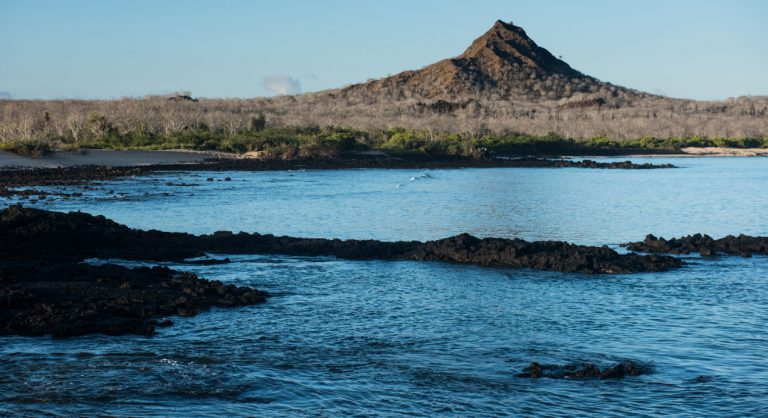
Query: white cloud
point(281, 84)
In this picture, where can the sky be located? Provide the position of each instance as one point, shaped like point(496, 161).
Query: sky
point(699, 49)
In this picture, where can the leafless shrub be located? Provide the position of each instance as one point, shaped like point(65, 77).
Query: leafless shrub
point(612, 113)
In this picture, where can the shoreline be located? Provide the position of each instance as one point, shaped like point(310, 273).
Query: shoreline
point(149, 158)
point(115, 158)
point(83, 174)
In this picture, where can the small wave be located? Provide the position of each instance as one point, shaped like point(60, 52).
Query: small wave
point(421, 176)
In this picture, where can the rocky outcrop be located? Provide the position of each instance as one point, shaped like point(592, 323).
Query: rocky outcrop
point(540, 255)
point(742, 245)
point(64, 176)
point(562, 163)
point(63, 299)
point(464, 249)
point(45, 289)
point(503, 63)
point(82, 235)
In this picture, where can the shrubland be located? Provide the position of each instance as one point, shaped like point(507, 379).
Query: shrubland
point(330, 123)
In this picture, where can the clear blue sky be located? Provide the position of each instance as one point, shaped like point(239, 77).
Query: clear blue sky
point(698, 49)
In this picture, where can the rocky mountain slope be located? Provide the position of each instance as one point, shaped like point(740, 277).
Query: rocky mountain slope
point(504, 63)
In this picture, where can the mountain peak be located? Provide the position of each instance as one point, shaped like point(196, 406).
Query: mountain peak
point(510, 44)
point(503, 63)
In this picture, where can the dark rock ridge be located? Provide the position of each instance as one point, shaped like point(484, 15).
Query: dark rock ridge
point(46, 290)
point(35, 233)
point(540, 255)
point(742, 245)
point(559, 163)
point(584, 371)
point(65, 176)
point(47, 297)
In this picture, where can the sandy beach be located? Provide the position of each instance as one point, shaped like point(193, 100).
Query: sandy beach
point(108, 158)
point(726, 152)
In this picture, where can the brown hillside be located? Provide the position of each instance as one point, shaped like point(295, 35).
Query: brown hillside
point(504, 63)
point(503, 83)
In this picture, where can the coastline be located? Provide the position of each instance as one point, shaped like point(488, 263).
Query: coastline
point(149, 158)
point(93, 167)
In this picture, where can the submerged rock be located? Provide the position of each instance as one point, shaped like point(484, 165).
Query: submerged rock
point(706, 246)
point(584, 371)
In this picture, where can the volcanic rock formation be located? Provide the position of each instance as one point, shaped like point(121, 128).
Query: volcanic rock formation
point(742, 245)
point(45, 288)
point(503, 63)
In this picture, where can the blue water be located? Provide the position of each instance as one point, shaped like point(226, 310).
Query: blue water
point(411, 338)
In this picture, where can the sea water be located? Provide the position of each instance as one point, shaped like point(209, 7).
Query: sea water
point(342, 337)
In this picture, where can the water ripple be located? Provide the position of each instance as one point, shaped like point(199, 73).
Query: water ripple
point(423, 339)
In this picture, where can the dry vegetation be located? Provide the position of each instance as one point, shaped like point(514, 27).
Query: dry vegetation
point(503, 85)
point(580, 116)
point(79, 122)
